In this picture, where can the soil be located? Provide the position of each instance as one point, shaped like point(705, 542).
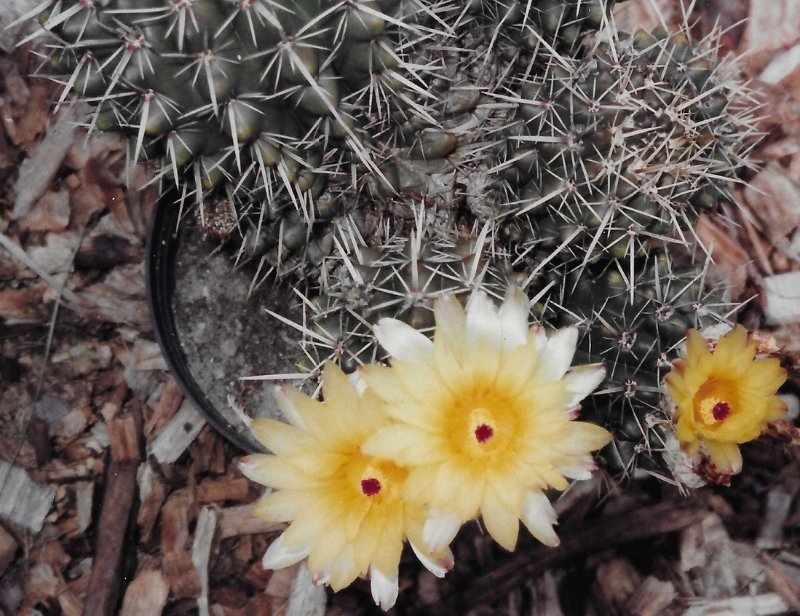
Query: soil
point(235, 337)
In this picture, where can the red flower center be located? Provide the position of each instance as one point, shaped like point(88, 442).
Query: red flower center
point(483, 433)
point(721, 410)
point(370, 486)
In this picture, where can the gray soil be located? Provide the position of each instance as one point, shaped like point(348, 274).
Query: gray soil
point(226, 334)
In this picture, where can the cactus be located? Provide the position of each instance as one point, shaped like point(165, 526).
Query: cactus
point(387, 151)
point(625, 147)
point(398, 278)
point(633, 317)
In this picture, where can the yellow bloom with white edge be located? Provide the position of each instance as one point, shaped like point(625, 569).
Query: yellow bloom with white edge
point(484, 416)
point(724, 398)
point(346, 511)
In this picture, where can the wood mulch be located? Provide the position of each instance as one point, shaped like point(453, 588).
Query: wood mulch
point(116, 497)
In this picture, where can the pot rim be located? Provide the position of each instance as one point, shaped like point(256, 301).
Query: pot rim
point(163, 238)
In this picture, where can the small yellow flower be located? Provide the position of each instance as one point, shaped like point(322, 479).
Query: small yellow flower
point(346, 510)
point(483, 416)
point(724, 398)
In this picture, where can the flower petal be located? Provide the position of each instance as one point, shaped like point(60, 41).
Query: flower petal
point(284, 397)
point(402, 341)
point(450, 324)
point(279, 437)
point(580, 468)
point(726, 456)
point(440, 529)
point(406, 445)
point(275, 472)
point(336, 387)
point(501, 523)
point(696, 347)
point(513, 315)
point(558, 352)
point(582, 381)
point(384, 588)
point(539, 518)
point(584, 437)
point(279, 555)
point(281, 506)
point(438, 565)
point(483, 323)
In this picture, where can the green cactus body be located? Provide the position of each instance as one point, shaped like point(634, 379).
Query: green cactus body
point(623, 148)
point(397, 278)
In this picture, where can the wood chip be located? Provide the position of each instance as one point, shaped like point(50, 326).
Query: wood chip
point(239, 520)
point(717, 576)
point(773, 25)
point(22, 501)
point(774, 198)
point(104, 584)
point(168, 402)
point(176, 515)
point(50, 213)
point(616, 581)
point(730, 259)
point(123, 437)
point(305, 597)
point(36, 172)
point(280, 584)
point(24, 305)
point(84, 500)
point(70, 603)
point(779, 502)
point(780, 580)
point(177, 435)
point(781, 298)
point(44, 582)
point(146, 595)
point(151, 493)
point(8, 549)
point(759, 605)
point(181, 576)
point(219, 490)
point(784, 69)
point(544, 596)
point(693, 554)
point(201, 553)
point(652, 597)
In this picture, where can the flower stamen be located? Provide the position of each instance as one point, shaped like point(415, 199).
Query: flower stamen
point(713, 410)
point(370, 486)
point(721, 410)
point(483, 433)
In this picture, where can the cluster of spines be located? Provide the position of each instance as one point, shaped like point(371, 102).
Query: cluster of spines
point(400, 278)
point(623, 148)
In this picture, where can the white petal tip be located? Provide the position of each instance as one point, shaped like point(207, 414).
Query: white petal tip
point(438, 565)
point(401, 340)
point(279, 555)
point(439, 531)
point(384, 588)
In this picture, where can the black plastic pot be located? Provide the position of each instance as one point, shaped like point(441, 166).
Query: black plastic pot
point(163, 243)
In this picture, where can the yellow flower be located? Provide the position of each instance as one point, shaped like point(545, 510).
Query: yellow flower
point(723, 398)
point(346, 510)
point(483, 416)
